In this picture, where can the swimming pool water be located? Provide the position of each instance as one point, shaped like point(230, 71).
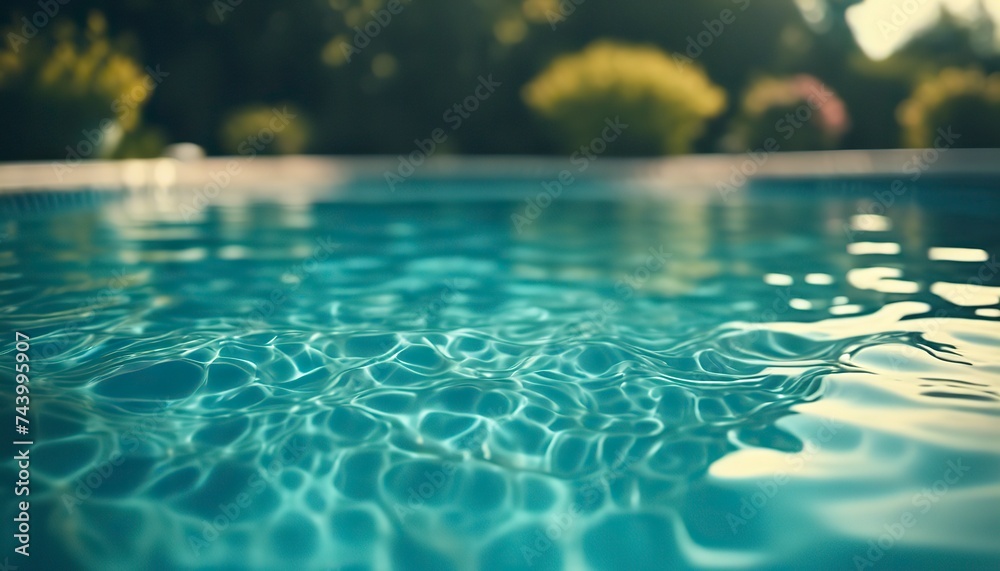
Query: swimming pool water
point(802, 375)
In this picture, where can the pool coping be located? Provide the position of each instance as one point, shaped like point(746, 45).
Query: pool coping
point(268, 175)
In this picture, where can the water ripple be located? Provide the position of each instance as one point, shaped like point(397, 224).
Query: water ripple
point(437, 396)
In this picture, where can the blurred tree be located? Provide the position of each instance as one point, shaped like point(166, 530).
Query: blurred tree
point(665, 104)
point(408, 66)
point(876, 88)
point(76, 93)
point(966, 102)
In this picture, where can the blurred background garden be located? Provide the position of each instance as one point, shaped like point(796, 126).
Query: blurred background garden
point(497, 76)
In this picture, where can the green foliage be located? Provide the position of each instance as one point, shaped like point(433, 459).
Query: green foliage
point(65, 81)
point(372, 76)
point(967, 101)
point(266, 130)
point(665, 104)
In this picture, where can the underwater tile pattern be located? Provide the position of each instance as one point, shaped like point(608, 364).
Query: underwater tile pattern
point(798, 376)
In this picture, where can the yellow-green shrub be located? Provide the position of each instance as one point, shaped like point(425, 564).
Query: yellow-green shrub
point(260, 129)
point(64, 81)
point(967, 102)
point(665, 103)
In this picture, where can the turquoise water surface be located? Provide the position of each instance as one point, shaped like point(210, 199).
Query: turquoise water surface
point(803, 375)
